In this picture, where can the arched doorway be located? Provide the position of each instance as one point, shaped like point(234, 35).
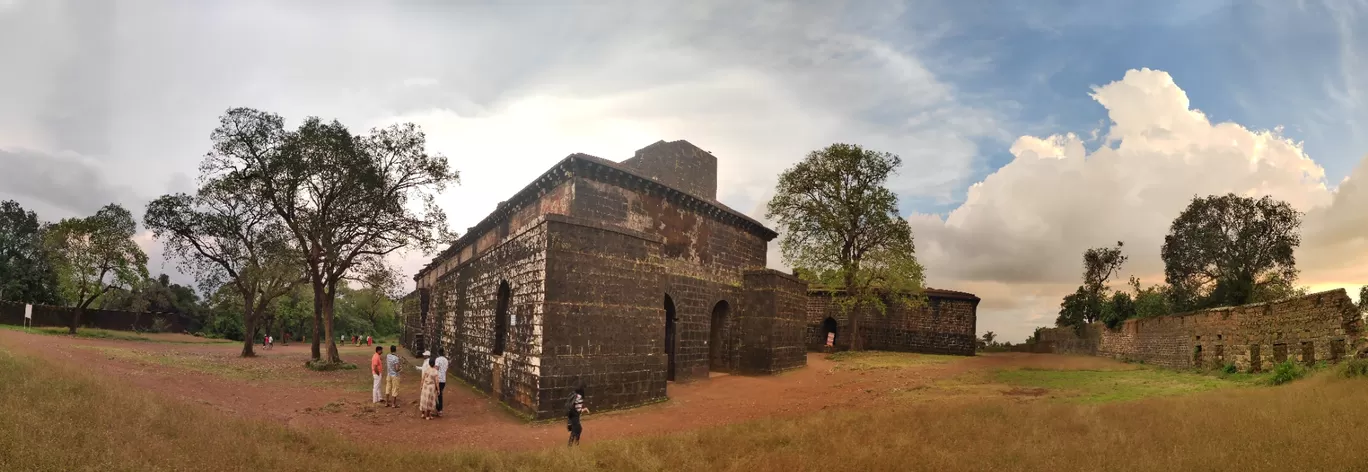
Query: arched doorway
point(717, 360)
point(669, 339)
point(829, 328)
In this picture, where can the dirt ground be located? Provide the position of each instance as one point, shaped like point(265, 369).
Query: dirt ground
point(275, 387)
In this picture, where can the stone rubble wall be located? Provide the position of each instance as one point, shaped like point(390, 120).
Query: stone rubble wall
point(1325, 326)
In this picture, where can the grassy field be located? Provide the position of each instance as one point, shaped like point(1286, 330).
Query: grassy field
point(96, 333)
point(58, 418)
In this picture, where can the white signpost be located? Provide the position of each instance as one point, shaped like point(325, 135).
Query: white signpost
point(28, 315)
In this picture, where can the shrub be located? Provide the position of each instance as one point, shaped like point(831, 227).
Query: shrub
point(159, 325)
point(1229, 369)
point(1355, 368)
point(1285, 372)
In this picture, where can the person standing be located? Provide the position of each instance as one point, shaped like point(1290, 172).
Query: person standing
point(393, 364)
point(575, 408)
point(427, 396)
point(442, 364)
point(377, 370)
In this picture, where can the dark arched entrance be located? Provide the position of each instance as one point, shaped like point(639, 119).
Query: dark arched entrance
point(717, 360)
point(829, 327)
point(669, 339)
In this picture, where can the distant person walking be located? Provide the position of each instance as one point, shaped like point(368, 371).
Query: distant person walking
point(377, 370)
point(393, 364)
point(427, 396)
point(575, 407)
point(442, 364)
point(369, 340)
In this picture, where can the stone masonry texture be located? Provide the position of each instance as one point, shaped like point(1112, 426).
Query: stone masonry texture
point(946, 323)
point(618, 277)
point(1321, 326)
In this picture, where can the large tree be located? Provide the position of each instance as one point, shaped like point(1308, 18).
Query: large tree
point(841, 228)
point(349, 200)
point(1090, 302)
point(1226, 250)
point(26, 272)
point(226, 238)
point(94, 255)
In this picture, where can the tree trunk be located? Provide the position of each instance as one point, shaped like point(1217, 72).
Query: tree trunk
point(855, 342)
point(249, 326)
point(328, 322)
point(314, 350)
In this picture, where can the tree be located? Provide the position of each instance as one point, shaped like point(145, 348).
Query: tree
point(348, 200)
point(225, 238)
point(1099, 265)
point(1079, 308)
point(380, 288)
point(26, 272)
point(988, 338)
point(1225, 250)
point(841, 228)
point(95, 254)
point(1117, 309)
point(1150, 301)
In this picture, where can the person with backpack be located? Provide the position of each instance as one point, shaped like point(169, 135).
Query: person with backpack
point(574, 408)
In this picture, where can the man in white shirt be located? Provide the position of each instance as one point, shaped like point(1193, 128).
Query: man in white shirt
point(442, 364)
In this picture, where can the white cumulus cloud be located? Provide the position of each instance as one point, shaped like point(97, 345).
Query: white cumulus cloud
point(1017, 240)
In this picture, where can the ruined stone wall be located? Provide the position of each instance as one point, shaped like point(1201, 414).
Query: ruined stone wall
point(945, 324)
point(702, 258)
point(465, 303)
point(769, 334)
point(1320, 326)
point(604, 324)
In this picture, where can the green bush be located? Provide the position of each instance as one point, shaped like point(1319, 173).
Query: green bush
point(1355, 368)
point(1229, 369)
point(1285, 372)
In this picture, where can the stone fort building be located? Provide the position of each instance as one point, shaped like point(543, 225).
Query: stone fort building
point(619, 277)
point(625, 276)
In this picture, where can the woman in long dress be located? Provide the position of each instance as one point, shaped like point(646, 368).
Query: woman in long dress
point(427, 398)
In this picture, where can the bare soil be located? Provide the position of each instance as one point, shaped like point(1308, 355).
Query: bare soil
point(276, 387)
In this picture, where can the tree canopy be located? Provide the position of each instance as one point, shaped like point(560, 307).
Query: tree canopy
point(348, 200)
point(1231, 250)
point(95, 254)
point(26, 271)
point(225, 238)
point(841, 228)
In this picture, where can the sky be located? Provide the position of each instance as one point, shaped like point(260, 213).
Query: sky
point(1029, 131)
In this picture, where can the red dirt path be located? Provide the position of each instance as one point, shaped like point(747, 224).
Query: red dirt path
point(275, 387)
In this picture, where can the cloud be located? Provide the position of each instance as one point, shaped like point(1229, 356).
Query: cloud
point(1021, 232)
point(63, 185)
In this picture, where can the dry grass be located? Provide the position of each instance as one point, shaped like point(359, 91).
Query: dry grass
point(1101, 386)
point(57, 418)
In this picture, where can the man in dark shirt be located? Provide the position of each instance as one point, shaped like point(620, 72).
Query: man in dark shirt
point(575, 407)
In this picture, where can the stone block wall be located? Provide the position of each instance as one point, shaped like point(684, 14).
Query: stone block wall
point(604, 317)
point(769, 334)
point(702, 257)
point(945, 324)
point(678, 164)
point(1320, 326)
point(465, 306)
